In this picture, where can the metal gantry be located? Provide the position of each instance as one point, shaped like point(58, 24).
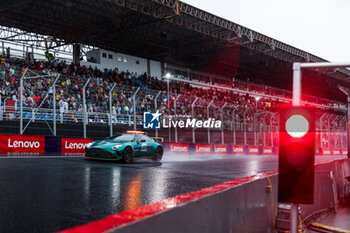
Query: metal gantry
point(34, 111)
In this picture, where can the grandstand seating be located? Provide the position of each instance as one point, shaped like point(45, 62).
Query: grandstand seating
point(70, 85)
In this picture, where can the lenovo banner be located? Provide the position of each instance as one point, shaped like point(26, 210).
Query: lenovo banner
point(179, 148)
point(325, 151)
point(253, 150)
point(237, 149)
point(267, 151)
point(74, 145)
point(220, 149)
point(336, 151)
point(22, 144)
point(203, 149)
point(344, 152)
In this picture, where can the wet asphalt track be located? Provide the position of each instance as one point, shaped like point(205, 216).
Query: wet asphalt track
point(54, 193)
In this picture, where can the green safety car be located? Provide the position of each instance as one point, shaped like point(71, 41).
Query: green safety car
point(125, 147)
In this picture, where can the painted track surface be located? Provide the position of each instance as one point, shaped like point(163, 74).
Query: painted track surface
point(54, 193)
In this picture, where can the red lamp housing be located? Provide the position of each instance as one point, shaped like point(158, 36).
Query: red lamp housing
point(296, 155)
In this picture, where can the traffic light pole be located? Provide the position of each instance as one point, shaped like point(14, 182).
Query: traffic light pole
point(297, 77)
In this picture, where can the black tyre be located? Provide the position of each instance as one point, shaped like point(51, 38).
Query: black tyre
point(127, 155)
point(158, 154)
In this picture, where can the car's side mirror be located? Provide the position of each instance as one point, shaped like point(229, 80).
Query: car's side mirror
point(143, 140)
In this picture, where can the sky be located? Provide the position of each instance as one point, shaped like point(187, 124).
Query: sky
point(320, 27)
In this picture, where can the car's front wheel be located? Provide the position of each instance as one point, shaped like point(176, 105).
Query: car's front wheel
point(158, 154)
point(127, 155)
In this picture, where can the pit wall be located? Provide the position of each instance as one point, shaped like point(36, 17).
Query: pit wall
point(29, 144)
point(243, 205)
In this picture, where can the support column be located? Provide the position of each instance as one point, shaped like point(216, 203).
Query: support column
point(76, 53)
point(148, 67)
point(296, 84)
point(294, 218)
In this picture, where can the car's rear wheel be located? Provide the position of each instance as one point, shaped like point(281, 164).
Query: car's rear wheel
point(158, 154)
point(127, 155)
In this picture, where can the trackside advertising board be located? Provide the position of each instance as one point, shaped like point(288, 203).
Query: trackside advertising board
point(237, 149)
point(344, 152)
point(74, 145)
point(336, 151)
point(253, 150)
point(179, 148)
point(325, 151)
point(220, 149)
point(22, 144)
point(203, 149)
point(267, 151)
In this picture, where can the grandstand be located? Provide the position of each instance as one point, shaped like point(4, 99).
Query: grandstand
point(217, 69)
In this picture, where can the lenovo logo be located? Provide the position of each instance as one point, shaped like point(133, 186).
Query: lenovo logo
point(23, 144)
point(203, 149)
point(73, 146)
point(220, 149)
point(178, 148)
point(238, 149)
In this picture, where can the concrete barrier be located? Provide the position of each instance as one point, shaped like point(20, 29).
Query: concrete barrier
point(242, 205)
point(329, 186)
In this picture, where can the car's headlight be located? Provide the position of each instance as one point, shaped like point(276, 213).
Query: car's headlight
point(89, 144)
point(116, 147)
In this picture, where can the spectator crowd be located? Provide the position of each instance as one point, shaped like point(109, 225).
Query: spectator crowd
point(72, 78)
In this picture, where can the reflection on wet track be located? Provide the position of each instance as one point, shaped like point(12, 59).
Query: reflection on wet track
point(54, 193)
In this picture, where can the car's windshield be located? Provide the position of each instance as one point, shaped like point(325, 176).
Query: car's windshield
point(122, 137)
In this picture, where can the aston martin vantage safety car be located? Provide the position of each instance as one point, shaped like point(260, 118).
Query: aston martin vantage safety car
point(125, 147)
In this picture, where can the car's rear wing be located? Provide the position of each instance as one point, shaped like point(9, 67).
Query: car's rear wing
point(158, 139)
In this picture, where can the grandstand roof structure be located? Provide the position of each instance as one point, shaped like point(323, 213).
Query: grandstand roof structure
point(165, 30)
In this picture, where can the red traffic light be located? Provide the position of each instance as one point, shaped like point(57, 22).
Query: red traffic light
point(296, 155)
point(297, 126)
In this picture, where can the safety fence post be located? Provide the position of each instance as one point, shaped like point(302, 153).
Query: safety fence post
point(111, 111)
point(134, 100)
point(84, 107)
point(222, 122)
point(21, 102)
point(233, 125)
point(156, 107)
point(245, 126)
point(54, 105)
point(208, 115)
point(193, 129)
point(271, 128)
point(175, 116)
point(321, 129)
